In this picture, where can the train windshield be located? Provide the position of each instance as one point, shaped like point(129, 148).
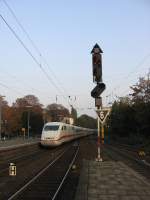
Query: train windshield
point(51, 128)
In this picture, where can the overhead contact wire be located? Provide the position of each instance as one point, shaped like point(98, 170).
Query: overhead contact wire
point(29, 52)
point(33, 44)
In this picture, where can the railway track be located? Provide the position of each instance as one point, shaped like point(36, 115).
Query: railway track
point(21, 159)
point(30, 163)
point(18, 152)
point(4, 163)
point(129, 158)
point(132, 153)
point(27, 167)
point(48, 182)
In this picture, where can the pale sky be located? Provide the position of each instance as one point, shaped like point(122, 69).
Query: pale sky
point(65, 31)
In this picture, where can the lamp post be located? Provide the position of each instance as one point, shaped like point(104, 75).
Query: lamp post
point(28, 120)
point(1, 97)
point(44, 115)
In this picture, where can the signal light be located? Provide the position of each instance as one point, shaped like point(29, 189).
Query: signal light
point(97, 68)
point(97, 91)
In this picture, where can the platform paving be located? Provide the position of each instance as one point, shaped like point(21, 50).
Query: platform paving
point(17, 142)
point(110, 180)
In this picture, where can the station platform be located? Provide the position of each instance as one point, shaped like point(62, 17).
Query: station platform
point(17, 142)
point(111, 180)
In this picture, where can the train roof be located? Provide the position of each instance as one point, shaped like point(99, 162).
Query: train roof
point(61, 123)
point(55, 123)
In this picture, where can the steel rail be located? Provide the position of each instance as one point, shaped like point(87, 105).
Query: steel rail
point(19, 156)
point(124, 153)
point(66, 174)
point(35, 177)
point(15, 159)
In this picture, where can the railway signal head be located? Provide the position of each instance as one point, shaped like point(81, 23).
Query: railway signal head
point(96, 49)
point(97, 63)
point(97, 91)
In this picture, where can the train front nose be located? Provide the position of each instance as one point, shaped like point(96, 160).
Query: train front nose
point(49, 135)
point(49, 138)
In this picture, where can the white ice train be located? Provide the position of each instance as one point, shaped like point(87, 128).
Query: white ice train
point(56, 133)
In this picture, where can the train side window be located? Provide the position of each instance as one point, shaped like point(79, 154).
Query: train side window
point(64, 127)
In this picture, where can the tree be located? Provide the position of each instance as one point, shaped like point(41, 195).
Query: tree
point(36, 113)
point(3, 109)
point(56, 112)
point(86, 121)
point(28, 100)
point(74, 114)
point(3, 102)
point(122, 118)
point(32, 100)
point(130, 117)
point(141, 91)
point(141, 103)
point(20, 103)
point(12, 121)
point(36, 121)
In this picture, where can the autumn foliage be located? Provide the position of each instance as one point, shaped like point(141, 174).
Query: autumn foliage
point(14, 117)
point(130, 116)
